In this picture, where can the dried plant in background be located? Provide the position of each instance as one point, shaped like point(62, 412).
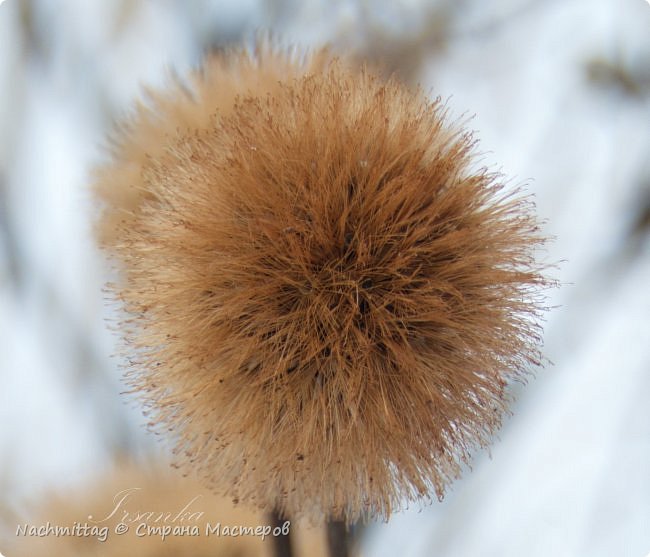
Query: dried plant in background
point(184, 108)
point(403, 54)
point(612, 73)
point(325, 296)
point(156, 497)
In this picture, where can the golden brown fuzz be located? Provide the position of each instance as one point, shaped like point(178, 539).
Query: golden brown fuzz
point(325, 297)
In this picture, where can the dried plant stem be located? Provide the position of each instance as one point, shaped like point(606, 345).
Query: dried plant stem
point(281, 543)
point(338, 539)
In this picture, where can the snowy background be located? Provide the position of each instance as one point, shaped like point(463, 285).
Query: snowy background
point(560, 90)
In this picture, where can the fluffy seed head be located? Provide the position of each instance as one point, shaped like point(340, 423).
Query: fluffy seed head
point(325, 296)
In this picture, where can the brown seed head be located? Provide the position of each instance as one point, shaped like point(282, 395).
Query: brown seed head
point(326, 299)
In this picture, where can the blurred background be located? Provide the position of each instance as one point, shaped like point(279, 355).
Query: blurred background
point(559, 93)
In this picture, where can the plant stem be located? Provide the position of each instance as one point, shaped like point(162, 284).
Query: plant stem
point(281, 543)
point(338, 539)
